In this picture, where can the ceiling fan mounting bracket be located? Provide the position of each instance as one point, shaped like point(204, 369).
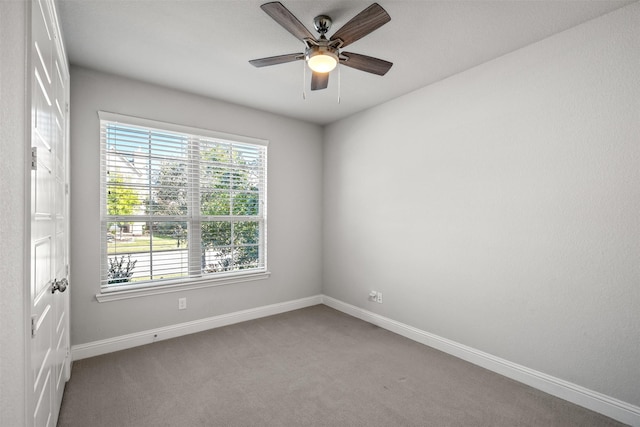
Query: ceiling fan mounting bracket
point(322, 23)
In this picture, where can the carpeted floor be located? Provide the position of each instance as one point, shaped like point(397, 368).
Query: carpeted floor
point(310, 367)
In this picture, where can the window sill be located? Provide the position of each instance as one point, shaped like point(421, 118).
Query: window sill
point(179, 287)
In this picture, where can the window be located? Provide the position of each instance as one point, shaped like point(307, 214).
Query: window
point(179, 205)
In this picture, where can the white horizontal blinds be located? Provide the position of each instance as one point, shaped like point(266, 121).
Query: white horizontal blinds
point(178, 205)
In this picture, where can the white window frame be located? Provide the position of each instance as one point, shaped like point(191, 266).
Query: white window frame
point(194, 280)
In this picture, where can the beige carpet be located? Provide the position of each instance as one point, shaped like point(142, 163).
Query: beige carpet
point(310, 367)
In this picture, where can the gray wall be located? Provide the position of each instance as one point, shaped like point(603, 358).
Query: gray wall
point(294, 206)
point(14, 236)
point(499, 208)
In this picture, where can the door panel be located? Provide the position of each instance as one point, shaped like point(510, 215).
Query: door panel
point(49, 216)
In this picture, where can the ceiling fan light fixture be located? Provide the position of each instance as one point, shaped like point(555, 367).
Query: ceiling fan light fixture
point(321, 59)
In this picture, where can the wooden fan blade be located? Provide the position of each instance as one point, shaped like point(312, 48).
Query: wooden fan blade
point(366, 63)
point(319, 81)
point(274, 60)
point(362, 24)
point(282, 16)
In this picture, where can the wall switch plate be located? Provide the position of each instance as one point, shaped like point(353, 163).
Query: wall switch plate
point(182, 303)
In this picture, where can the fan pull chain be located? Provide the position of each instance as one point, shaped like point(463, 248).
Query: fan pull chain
point(339, 82)
point(304, 80)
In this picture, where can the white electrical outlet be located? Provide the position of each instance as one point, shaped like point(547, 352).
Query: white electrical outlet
point(376, 296)
point(182, 303)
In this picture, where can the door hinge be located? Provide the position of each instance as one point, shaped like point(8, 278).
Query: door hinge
point(34, 158)
point(66, 107)
point(34, 321)
point(66, 189)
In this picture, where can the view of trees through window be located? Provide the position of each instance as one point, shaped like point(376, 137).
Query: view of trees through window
point(179, 205)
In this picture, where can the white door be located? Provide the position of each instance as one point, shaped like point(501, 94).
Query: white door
point(50, 361)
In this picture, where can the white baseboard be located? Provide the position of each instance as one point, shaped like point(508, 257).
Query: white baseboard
point(96, 348)
point(598, 402)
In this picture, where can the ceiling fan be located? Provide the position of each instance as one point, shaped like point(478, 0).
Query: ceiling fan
point(322, 54)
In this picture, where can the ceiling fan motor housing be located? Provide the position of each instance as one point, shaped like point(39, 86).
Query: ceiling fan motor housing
point(322, 55)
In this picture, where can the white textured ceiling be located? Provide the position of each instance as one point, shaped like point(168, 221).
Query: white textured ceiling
point(204, 47)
